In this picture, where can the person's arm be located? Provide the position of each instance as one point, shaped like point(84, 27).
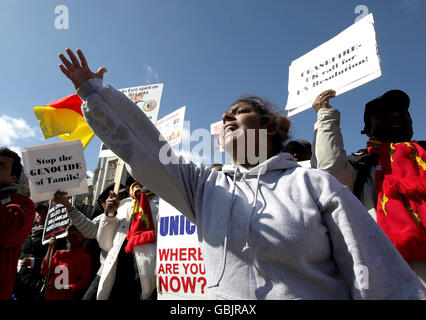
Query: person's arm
point(369, 263)
point(128, 132)
point(16, 220)
point(49, 262)
point(328, 147)
point(87, 227)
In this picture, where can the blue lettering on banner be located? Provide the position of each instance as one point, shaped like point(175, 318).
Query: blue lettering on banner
point(176, 225)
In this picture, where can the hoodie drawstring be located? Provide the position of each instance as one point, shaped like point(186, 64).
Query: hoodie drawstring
point(225, 241)
point(253, 209)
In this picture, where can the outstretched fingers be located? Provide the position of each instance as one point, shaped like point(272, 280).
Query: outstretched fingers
point(65, 71)
point(82, 58)
point(73, 58)
point(66, 62)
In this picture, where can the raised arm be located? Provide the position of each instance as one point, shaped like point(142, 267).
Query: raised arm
point(328, 147)
point(128, 132)
point(89, 228)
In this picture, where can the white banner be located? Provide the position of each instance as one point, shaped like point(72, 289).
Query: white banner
point(343, 63)
point(171, 126)
point(55, 166)
point(180, 266)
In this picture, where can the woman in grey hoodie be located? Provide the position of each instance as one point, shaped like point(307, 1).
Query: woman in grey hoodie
point(268, 228)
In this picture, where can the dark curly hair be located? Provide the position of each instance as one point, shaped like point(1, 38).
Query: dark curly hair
point(268, 109)
point(16, 166)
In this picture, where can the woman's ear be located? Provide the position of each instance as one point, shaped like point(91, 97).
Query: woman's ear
point(269, 125)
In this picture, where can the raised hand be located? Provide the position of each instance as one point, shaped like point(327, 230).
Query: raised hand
point(52, 242)
point(78, 71)
point(61, 197)
point(322, 101)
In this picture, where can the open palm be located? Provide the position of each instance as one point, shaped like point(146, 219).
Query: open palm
point(78, 71)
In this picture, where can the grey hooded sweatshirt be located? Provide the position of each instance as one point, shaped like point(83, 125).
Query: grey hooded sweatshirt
point(277, 231)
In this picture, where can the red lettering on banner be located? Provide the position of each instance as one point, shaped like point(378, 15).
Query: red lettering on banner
point(180, 254)
point(175, 284)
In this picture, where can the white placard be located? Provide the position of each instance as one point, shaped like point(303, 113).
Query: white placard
point(55, 166)
point(171, 126)
point(148, 98)
point(343, 63)
point(180, 266)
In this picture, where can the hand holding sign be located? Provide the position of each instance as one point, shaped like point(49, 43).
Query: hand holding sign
point(61, 197)
point(52, 242)
point(78, 72)
point(322, 100)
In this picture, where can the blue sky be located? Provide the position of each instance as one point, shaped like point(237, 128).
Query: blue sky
point(207, 53)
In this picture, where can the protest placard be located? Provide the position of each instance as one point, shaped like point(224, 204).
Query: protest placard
point(171, 126)
point(215, 129)
point(181, 273)
point(343, 63)
point(148, 98)
point(55, 166)
point(56, 223)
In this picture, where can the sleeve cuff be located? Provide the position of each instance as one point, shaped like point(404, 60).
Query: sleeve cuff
point(328, 114)
point(74, 213)
point(89, 87)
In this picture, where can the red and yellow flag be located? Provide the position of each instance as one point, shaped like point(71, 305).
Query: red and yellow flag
point(63, 118)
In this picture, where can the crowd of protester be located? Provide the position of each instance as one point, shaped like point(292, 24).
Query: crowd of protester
point(306, 222)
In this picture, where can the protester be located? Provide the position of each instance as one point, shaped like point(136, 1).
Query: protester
point(29, 281)
point(301, 150)
point(267, 229)
point(136, 281)
point(388, 176)
point(128, 235)
point(16, 220)
point(68, 271)
point(89, 229)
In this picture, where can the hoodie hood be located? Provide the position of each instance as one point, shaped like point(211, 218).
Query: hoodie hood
point(280, 161)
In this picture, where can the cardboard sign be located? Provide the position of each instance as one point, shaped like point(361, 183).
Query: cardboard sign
point(180, 266)
point(171, 126)
point(55, 166)
point(343, 63)
point(57, 222)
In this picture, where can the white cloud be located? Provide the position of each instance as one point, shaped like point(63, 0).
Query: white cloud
point(13, 129)
point(151, 76)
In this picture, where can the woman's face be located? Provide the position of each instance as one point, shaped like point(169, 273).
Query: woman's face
point(237, 122)
point(40, 218)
